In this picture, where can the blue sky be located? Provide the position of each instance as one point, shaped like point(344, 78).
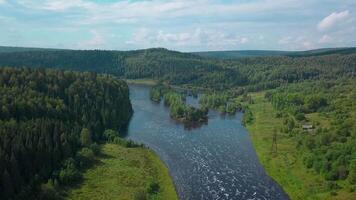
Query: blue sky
point(184, 25)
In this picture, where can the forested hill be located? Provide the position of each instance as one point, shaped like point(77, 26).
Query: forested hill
point(252, 73)
point(8, 49)
point(267, 53)
point(46, 116)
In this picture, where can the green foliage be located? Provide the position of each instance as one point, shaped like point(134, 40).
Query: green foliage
point(153, 187)
point(352, 170)
point(49, 191)
point(329, 150)
point(225, 102)
point(95, 148)
point(69, 172)
point(157, 92)
point(42, 115)
point(254, 73)
point(247, 117)
point(85, 137)
point(110, 135)
point(179, 110)
point(300, 116)
point(85, 157)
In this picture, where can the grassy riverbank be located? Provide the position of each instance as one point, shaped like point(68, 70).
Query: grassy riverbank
point(286, 165)
point(125, 173)
point(141, 81)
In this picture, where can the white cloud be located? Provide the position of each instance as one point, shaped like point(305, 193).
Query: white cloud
point(132, 11)
point(190, 39)
point(296, 43)
point(3, 2)
point(325, 39)
point(243, 40)
point(97, 41)
point(185, 24)
point(332, 20)
point(58, 5)
point(285, 40)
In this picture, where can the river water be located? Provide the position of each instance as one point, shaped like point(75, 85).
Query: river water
point(214, 161)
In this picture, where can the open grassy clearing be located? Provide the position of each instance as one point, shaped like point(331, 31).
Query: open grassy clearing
point(124, 174)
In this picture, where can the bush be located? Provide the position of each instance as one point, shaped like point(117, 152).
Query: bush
point(85, 137)
point(300, 116)
point(331, 185)
point(153, 188)
point(69, 172)
point(49, 191)
point(95, 148)
point(85, 157)
point(110, 135)
point(352, 170)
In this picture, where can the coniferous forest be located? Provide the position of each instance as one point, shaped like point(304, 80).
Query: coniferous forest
point(46, 117)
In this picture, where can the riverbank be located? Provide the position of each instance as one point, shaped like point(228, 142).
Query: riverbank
point(149, 82)
point(286, 166)
point(125, 173)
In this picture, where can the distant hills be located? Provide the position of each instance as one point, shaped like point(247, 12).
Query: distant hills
point(226, 69)
point(265, 53)
point(213, 54)
point(7, 49)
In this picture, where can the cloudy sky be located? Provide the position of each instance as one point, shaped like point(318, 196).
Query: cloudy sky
point(185, 25)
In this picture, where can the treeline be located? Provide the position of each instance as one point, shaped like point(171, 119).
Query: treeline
point(330, 147)
point(253, 74)
point(159, 64)
point(228, 101)
point(49, 123)
point(179, 110)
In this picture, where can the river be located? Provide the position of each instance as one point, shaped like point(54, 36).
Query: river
point(214, 161)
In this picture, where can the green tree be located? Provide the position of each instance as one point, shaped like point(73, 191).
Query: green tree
point(352, 170)
point(85, 137)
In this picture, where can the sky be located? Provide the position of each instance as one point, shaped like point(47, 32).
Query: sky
point(183, 25)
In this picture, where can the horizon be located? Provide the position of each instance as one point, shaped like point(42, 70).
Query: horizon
point(241, 50)
point(182, 25)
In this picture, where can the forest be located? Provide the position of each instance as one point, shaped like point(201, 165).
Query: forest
point(51, 122)
point(176, 68)
point(179, 109)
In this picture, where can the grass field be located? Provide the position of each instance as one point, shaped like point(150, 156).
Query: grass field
point(123, 173)
point(141, 81)
point(286, 165)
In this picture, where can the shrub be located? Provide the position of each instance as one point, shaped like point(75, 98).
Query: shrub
point(95, 148)
point(153, 187)
point(85, 137)
point(85, 157)
point(300, 116)
point(110, 135)
point(69, 172)
point(49, 191)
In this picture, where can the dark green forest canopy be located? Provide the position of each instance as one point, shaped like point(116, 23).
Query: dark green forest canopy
point(253, 73)
point(44, 116)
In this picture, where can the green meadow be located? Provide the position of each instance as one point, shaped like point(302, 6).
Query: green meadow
point(124, 174)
